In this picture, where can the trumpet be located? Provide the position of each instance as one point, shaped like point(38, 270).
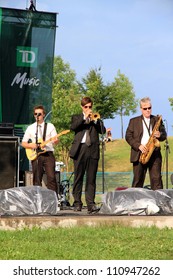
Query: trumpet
point(94, 116)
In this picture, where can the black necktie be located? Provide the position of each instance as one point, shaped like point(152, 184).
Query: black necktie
point(88, 140)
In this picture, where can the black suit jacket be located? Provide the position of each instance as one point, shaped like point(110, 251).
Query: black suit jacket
point(134, 134)
point(79, 126)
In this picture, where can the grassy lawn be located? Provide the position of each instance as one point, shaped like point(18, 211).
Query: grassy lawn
point(87, 243)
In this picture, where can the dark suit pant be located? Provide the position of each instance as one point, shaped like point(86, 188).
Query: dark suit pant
point(44, 163)
point(154, 168)
point(85, 163)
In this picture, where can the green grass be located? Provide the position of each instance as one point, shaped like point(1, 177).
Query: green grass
point(87, 243)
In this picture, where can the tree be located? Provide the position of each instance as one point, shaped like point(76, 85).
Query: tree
point(66, 96)
point(171, 102)
point(124, 97)
point(92, 85)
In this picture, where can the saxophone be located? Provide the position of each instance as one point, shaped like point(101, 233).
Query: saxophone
point(151, 144)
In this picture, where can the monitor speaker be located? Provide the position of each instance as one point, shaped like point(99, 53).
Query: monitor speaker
point(9, 162)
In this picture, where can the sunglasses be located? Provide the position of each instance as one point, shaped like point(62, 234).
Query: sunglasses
point(38, 114)
point(87, 107)
point(149, 108)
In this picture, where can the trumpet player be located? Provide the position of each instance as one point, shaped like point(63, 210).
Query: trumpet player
point(141, 133)
point(85, 153)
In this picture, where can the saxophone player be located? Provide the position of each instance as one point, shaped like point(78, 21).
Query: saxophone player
point(141, 134)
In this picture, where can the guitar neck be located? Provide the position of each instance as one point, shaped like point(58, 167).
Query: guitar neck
point(51, 139)
point(56, 136)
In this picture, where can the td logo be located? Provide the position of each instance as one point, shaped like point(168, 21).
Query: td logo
point(27, 56)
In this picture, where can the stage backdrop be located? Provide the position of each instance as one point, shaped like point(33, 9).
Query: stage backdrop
point(27, 42)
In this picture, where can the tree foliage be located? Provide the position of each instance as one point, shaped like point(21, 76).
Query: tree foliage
point(124, 97)
point(66, 98)
point(171, 102)
point(92, 85)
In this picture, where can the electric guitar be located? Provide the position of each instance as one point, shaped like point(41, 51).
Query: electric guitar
point(32, 154)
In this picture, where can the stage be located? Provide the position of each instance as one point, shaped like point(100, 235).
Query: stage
point(35, 206)
point(69, 218)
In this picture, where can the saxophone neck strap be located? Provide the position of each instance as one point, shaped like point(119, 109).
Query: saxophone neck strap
point(148, 127)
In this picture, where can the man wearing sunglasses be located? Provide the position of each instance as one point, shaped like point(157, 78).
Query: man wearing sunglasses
point(43, 159)
point(137, 136)
point(85, 153)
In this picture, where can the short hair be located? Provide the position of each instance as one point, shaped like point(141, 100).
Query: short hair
point(86, 100)
point(40, 107)
point(145, 100)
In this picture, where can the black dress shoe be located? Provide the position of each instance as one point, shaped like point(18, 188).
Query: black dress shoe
point(77, 209)
point(93, 209)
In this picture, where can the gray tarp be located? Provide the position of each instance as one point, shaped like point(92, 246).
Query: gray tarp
point(35, 200)
point(31, 200)
point(140, 201)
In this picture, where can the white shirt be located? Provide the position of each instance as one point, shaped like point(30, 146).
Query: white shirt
point(84, 137)
point(30, 134)
point(146, 135)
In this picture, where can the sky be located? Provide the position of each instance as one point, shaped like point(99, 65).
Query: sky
point(133, 36)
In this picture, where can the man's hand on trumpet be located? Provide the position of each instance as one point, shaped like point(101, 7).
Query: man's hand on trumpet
point(88, 114)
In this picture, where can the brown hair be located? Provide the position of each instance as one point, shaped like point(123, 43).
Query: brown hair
point(39, 107)
point(86, 100)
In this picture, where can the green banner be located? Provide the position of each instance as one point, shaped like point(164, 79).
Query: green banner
point(27, 42)
point(0, 70)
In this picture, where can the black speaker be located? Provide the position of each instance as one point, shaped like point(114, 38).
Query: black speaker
point(23, 161)
point(9, 162)
point(6, 129)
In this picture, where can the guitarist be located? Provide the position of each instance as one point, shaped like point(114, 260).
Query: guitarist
point(45, 159)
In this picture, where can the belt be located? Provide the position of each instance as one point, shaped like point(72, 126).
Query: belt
point(47, 153)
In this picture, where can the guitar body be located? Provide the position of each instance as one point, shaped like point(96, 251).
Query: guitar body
point(32, 154)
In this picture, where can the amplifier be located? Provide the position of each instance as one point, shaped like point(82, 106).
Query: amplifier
point(6, 129)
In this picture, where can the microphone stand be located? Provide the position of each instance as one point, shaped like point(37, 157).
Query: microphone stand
point(167, 151)
point(103, 145)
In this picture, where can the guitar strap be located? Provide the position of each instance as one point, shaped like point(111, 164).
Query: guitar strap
point(44, 132)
